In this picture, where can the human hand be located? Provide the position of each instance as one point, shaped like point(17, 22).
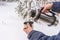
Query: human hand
point(47, 7)
point(27, 28)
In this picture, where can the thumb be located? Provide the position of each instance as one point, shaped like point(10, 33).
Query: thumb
point(44, 9)
point(28, 25)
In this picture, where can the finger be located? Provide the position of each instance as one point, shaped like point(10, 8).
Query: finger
point(28, 25)
point(25, 27)
point(44, 10)
point(25, 30)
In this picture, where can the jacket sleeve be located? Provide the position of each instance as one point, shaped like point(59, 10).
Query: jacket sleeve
point(56, 7)
point(36, 35)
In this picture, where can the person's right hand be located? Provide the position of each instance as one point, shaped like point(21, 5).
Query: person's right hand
point(47, 7)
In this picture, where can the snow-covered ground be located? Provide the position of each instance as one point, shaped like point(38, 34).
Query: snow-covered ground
point(11, 26)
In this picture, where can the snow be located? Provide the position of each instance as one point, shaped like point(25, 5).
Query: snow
point(11, 25)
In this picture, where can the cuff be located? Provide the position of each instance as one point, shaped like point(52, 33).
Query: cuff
point(31, 33)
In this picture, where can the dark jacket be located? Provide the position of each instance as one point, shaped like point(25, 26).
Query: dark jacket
point(36, 35)
point(56, 7)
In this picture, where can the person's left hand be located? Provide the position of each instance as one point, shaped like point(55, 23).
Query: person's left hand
point(27, 28)
point(47, 7)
